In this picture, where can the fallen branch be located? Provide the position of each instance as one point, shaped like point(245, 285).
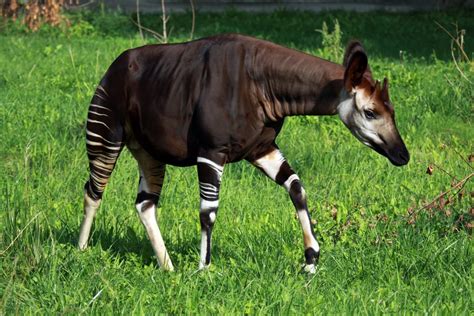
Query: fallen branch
point(459, 184)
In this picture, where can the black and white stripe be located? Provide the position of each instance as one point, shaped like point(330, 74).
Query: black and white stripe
point(210, 174)
point(103, 142)
point(275, 166)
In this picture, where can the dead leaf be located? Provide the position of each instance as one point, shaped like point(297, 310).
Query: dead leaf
point(430, 170)
point(334, 213)
point(442, 202)
point(471, 158)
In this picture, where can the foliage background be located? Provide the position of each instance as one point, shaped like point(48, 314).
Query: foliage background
point(375, 257)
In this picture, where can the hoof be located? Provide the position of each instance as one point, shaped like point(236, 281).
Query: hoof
point(168, 267)
point(203, 266)
point(309, 268)
point(82, 246)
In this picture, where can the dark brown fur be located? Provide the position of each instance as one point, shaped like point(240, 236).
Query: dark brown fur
point(228, 93)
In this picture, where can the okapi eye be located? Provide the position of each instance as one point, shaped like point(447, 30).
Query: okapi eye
point(369, 114)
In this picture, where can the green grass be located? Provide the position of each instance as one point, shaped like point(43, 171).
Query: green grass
point(372, 260)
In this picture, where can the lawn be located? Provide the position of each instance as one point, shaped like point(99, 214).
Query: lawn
point(385, 248)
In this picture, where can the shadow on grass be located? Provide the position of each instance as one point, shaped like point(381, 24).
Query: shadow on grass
point(132, 242)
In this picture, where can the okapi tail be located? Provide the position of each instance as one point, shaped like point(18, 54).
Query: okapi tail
point(104, 141)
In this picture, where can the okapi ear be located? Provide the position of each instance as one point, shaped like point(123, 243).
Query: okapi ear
point(384, 92)
point(351, 48)
point(355, 69)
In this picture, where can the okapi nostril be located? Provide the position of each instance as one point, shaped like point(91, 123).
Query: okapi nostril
point(404, 156)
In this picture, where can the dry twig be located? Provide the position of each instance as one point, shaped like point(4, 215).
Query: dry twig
point(460, 184)
point(459, 41)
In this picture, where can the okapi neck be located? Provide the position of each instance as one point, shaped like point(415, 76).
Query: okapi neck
point(300, 84)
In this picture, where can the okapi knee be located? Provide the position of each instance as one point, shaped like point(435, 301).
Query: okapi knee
point(298, 195)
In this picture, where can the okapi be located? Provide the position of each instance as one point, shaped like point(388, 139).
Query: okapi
point(220, 100)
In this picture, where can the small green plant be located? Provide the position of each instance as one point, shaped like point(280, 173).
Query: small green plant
point(332, 47)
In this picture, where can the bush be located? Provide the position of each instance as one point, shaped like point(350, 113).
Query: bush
point(36, 12)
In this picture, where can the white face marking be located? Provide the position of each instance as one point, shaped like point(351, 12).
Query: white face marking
point(352, 114)
point(345, 108)
point(271, 163)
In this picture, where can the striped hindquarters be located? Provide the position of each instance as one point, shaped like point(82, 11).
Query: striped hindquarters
point(104, 142)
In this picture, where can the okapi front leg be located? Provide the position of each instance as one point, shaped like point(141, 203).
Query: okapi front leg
point(209, 173)
point(277, 168)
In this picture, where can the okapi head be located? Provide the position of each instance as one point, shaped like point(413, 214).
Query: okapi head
point(366, 108)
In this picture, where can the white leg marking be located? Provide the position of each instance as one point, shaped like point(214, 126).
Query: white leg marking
point(90, 209)
point(148, 218)
point(143, 186)
point(99, 106)
point(99, 136)
point(99, 87)
point(97, 113)
point(205, 204)
point(208, 192)
point(290, 180)
point(98, 122)
point(309, 240)
point(211, 163)
point(271, 163)
point(309, 268)
point(212, 217)
point(202, 261)
point(92, 143)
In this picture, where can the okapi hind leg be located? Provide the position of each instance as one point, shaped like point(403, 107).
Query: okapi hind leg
point(277, 168)
point(152, 174)
point(104, 142)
